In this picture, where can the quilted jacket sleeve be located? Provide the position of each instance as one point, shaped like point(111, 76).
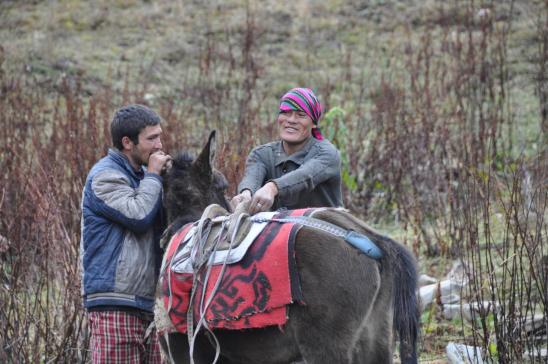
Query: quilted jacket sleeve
point(112, 196)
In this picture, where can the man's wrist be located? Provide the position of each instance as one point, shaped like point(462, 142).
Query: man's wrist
point(273, 187)
point(153, 174)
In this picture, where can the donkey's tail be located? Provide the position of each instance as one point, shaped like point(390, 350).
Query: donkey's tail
point(406, 309)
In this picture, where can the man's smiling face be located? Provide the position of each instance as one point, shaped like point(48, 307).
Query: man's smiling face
point(295, 127)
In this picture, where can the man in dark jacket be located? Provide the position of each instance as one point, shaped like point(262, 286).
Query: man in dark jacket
point(302, 169)
point(121, 226)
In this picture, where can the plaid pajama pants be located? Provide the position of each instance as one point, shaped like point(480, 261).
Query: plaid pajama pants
point(119, 337)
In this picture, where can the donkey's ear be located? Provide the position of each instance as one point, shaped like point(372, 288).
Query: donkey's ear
point(204, 162)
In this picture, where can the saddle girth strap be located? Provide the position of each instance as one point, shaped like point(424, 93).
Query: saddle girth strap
point(360, 241)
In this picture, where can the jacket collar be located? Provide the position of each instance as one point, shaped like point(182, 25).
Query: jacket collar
point(121, 159)
point(297, 157)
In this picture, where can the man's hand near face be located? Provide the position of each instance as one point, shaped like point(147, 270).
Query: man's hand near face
point(158, 162)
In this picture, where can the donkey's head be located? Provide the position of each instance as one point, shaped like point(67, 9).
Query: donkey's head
point(193, 184)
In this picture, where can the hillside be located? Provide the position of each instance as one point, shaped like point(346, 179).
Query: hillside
point(337, 46)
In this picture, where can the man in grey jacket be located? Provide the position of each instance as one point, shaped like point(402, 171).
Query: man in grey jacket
point(121, 227)
point(302, 169)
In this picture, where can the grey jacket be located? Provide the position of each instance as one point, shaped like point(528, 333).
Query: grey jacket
point(310, 177)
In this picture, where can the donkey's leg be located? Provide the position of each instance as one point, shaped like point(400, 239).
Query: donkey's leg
point(176, 349)
point(339, 287)
point(382, 332)
point(377, 343)
point(269, 345)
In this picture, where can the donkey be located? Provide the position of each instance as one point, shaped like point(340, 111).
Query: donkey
point(353, 304)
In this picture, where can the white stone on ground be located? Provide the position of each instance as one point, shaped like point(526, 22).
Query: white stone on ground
point(446, 288)
point(463, 354)
point(425, 280)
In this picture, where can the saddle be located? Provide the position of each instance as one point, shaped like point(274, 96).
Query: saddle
point(218, 238)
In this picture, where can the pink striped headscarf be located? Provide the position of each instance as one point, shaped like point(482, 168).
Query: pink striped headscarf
point(303, 99)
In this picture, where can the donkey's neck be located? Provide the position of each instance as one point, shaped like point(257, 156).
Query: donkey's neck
point(186, 218)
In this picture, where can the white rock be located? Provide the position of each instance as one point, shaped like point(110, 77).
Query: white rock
point(467, 311)
point(542, 353)
point(457, 310)
point(451, 311)
point(450, 286)
point(463, 354)
point(457, 273)
point(534, 323)
point(486, 306)
point(446, 288)
point(450, 298)
point(426, 280)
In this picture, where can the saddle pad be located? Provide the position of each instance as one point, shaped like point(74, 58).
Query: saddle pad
point(182, 262)
point(253, 293)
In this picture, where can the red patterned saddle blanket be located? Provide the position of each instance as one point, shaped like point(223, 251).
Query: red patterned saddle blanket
point(252, 293)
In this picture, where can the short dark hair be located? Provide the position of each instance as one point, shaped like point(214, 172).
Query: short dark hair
point(129, 121)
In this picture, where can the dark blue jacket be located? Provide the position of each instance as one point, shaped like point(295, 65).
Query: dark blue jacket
point(121, 227)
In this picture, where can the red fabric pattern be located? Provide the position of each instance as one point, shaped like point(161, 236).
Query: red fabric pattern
point(253, 293)
point(119, 337)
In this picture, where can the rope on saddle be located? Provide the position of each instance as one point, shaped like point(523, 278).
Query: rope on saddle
point(352, 237)
point(202, 257)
